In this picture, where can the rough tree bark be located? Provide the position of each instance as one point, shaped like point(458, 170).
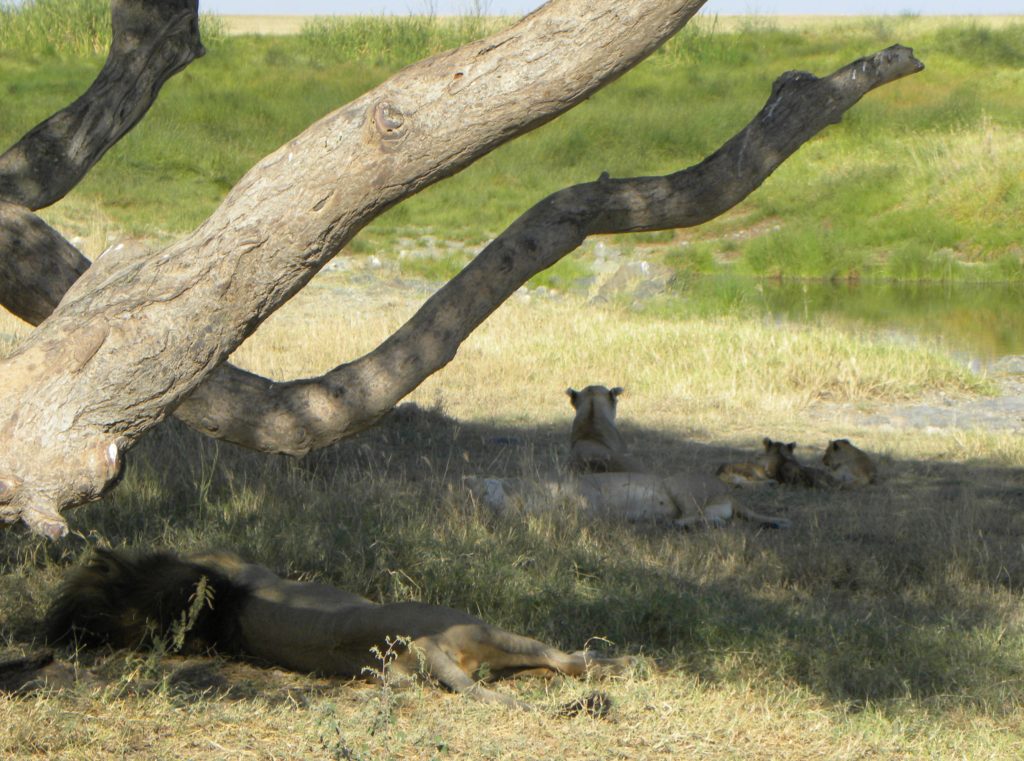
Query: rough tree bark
point(139, 335)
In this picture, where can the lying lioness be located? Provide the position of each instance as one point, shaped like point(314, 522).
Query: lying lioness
point(613, 483)
point(683, 499)
point(764, 468)
point(245, 609)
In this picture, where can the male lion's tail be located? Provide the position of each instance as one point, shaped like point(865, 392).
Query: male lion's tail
point(125, 600)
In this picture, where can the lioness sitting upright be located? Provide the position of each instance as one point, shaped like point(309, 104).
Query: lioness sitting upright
point(597, 446)
point(848, 464)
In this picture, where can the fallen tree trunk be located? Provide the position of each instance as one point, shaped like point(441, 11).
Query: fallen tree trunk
point(139, 332)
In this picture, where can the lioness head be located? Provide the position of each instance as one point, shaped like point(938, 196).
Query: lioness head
point(598, 397)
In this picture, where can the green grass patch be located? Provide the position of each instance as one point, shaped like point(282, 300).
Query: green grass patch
point(563, 275)
point(68, 28)
point(440, 268)
point(391, 41)
point(894, 190)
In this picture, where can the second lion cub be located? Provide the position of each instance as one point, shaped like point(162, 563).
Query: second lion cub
point(847, 464)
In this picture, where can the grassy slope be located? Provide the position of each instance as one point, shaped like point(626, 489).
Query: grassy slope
point(895, 189)
point(886, 624)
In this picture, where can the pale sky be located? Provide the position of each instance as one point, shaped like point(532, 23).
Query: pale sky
point(519, 7)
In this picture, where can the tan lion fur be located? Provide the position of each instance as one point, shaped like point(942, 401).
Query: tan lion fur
point(596, 444)
point(606, 481)
point(849, 465)
point(683, 499)
point(778, 464)
point(302, 626)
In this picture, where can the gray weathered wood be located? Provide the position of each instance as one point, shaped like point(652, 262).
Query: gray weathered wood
point(139, 332)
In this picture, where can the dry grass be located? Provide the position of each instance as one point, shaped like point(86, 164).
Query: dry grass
point(886, 624)
point(679, 375)
point(264, 24)
point(728, 23)
point(293, 24)
point(671, 717)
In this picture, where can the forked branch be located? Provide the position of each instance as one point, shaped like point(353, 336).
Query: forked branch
point(139, 331)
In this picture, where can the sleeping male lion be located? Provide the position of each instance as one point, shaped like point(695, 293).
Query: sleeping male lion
point(125, 601)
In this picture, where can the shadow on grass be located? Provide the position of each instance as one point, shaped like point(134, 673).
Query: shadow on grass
point(906, 589)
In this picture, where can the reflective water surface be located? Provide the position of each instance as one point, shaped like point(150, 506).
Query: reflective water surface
point(981, 320)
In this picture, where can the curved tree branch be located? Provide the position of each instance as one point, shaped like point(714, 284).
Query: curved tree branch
point(152, 40)
point(294, 417)
point(37, 266)
point(297, 416)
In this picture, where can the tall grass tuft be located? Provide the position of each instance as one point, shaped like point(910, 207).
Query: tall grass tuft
point(68, 28)
point(391, 40)
point(56, 27)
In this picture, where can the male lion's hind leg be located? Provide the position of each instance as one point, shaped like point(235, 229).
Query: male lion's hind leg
point(425, 657)
point(507, 654)
point(451, 658)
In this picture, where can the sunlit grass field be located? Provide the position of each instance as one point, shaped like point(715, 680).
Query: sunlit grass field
point(921, 180)
point(886, 624)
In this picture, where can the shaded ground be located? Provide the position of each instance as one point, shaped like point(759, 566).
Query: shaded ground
point(906, 590)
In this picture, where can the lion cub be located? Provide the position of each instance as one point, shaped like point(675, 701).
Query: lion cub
point(848, 464)
point(597, 446)
point(778, 463)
